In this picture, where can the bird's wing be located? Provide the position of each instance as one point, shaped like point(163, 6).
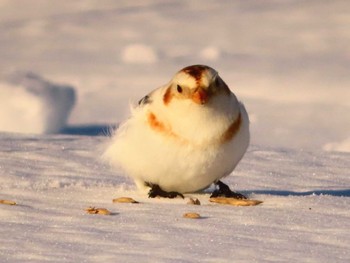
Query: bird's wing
point(145, 100)
point(150, 97)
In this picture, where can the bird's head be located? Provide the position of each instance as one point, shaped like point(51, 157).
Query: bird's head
point(197, 83)
point(196, 105)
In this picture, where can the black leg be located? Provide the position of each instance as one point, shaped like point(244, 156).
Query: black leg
point(225, 191)
point(157, 191)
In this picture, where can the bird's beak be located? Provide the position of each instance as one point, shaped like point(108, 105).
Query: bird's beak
point(201, 96)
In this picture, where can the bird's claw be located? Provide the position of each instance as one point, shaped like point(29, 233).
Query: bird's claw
point(225, 191)
point(157, 191)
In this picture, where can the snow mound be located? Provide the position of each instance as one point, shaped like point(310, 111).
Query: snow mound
point(343, 146)
point(139, 54)
point(210, 53)
point(31, 104)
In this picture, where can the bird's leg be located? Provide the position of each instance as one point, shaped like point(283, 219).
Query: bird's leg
point(157, 191)
point(225, 191)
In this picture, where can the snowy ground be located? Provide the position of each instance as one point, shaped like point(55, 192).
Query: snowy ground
point(287, 60)
point(305, 215)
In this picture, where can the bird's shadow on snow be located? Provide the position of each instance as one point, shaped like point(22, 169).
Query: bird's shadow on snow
point(89, 129)
point(339, 193)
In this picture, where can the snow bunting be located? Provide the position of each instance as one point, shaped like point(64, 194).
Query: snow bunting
point(183, 137)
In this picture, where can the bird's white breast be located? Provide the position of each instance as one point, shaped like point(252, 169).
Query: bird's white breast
point(190, 159)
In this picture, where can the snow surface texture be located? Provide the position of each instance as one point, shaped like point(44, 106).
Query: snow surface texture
point(31, 104)
point(305, 215)
point(288, 61)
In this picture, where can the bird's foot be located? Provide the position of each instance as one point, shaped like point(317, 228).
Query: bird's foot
point(157, 191)
point(225, 191)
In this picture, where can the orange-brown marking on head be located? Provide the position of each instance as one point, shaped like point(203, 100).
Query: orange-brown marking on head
point(232, 129)
point(200, 96)
point(167, 96)
point(195, 71)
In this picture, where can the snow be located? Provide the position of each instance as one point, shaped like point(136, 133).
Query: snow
point(287, 61)
point(342, 146)
point(210, 53)
point(31, 104)
point(53, 178)
point(139, 54)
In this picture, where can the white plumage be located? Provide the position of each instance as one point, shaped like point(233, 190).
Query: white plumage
point(183, 136)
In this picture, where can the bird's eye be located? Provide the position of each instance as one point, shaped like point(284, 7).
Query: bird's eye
point(217, 81)
point(179, 89)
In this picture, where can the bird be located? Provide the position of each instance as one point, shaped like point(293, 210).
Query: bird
point(183, 136)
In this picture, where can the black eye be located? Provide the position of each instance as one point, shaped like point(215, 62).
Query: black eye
point(217, 81)
point(179, 89)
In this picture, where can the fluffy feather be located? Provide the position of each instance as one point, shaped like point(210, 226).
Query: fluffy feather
point(183, 136)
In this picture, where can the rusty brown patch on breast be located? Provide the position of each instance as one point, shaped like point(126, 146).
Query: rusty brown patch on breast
point(160, 127)
point(232, 130)
point(155, 123)
point(195, 71)
point(167, 96)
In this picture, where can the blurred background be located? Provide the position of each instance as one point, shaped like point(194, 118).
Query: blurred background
point(288, 61)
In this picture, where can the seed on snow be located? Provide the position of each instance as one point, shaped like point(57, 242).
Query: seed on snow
point(7, 202)
point(124, 200)
point(191, 215)
point(100, 211)
point(193, 201)
point(234, 202)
